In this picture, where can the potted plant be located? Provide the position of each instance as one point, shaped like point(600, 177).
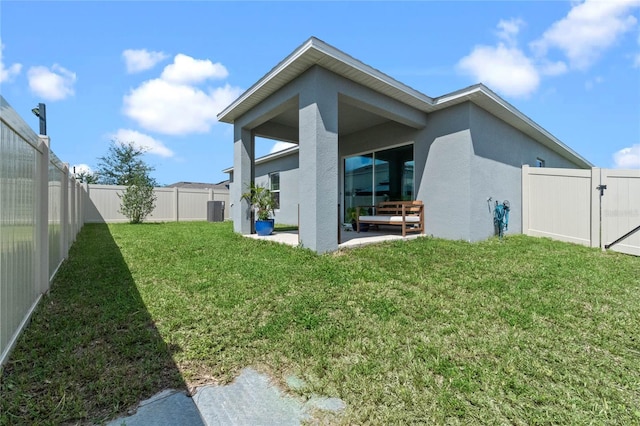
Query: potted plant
point(352, 215)
point(264, 203)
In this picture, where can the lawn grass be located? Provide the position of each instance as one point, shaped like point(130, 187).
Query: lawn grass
point(519, 331)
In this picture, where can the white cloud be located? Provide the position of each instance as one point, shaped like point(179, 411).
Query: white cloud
point(588, 30)
point(7, 74)
point(51, 84)
point(164, 107)
point(81, 168)
point(280, 146)
point(174, 104)
point(552, 68)
point(505, 69)
point(141, 59)
point(508, 30)
point(628, 158)
point(142, 141)
point(187, 70)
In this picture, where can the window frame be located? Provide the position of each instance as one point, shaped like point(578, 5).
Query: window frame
point(275, 192)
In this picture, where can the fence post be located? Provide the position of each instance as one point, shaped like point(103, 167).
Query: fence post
point(42, 217)
point(177, 203)
point(64, 212)
point(73, 229)
point(86, 198)
point(595, 214)
point(525, 199)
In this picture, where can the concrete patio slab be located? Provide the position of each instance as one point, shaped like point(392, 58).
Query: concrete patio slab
point(167, 408)
point(349, 238)
point(250, 400)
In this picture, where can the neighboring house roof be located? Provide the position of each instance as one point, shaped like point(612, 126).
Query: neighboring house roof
point(199, 185)
point(316, 52)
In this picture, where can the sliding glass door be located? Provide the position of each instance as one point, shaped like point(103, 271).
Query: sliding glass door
point(385, 175)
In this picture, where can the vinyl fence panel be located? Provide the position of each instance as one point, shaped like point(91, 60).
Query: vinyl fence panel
point(192, 204)
point(36, 228)
point(172, 204)
point(567, 205)
point(558, 204)
point(621, 209)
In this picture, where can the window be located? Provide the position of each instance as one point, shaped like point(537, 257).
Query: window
point(539, 162)
point(385, 175)
point(274, 186)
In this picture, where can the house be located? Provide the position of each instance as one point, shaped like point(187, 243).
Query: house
point(362, 136)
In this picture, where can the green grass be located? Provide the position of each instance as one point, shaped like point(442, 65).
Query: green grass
point(519, 331)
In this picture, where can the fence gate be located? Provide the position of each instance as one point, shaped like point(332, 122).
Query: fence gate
point(566, 205)
point(621, 209)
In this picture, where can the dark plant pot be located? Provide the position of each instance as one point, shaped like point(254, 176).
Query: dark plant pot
point(364, 227)
point(264, 227)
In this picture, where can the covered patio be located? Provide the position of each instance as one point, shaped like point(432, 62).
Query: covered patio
point(319, 98)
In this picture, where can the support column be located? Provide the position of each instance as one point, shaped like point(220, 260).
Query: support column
point(318, 159)
point(243, 176)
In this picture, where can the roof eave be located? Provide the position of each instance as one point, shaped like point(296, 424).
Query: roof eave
point(314, 52)
point(481, 95)
point(270, 157)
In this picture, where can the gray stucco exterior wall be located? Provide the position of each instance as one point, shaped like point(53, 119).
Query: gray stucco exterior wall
point(498, 153)
point(442, 172)
point(287, 166)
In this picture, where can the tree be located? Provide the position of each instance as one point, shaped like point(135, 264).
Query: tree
point(123, 165)
point(86, 177)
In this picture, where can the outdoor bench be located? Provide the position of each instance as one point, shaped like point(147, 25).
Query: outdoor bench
point(407, 214)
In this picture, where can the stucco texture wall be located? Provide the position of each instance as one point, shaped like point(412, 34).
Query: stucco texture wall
point(498, 152)
point(287, 166)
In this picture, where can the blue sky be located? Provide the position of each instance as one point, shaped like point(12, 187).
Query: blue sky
point(157, 73)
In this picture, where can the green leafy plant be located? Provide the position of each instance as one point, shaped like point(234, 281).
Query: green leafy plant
point(138, 200)
point(123, 165)
point(352, 214)
point(261, 200)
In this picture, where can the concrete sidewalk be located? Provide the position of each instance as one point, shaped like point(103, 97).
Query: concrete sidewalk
point(250, 400)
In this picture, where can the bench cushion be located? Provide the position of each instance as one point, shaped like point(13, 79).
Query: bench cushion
point(390, 219)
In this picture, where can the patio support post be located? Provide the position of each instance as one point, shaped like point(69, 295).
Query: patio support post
point(243, 176)
point(318, 159)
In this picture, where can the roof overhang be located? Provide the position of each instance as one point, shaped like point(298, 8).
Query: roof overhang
point(270, 157)
point(316, 52)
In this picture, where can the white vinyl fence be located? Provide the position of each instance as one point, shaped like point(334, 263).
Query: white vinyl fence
point(566, 205)
point(41, 211)
point(172, 204)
